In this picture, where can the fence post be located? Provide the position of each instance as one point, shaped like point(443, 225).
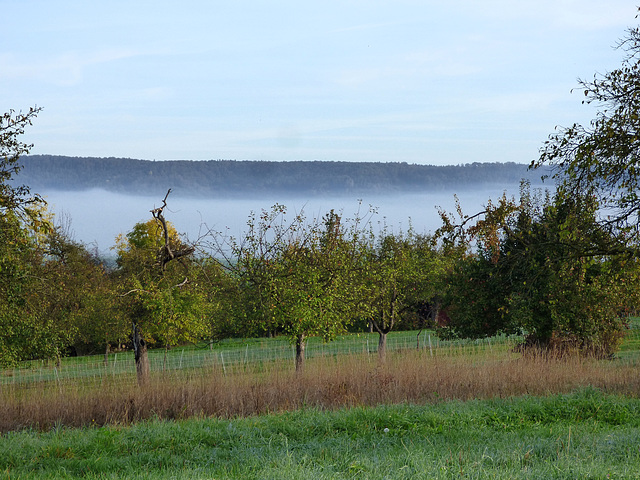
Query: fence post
point(55, 369)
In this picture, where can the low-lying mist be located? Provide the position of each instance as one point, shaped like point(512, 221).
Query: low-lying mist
point(96, 217)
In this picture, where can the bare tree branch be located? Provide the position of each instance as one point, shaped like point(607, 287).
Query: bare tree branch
point(167, 253)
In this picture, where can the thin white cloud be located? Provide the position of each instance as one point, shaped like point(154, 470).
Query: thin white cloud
point(64, 69)
point(410, 67)
point(515, 102)
point(367, 26)
point(582, 14)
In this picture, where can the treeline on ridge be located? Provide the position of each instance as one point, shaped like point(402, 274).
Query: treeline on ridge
point(213, 178)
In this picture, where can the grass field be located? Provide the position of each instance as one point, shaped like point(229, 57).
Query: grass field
point(586, 434)
point(237, 409)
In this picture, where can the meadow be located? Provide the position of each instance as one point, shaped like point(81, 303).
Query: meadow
point(237, 409)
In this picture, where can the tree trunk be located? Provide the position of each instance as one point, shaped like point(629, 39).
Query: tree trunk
point(382, 345)
point(141, 357)
point(300, 345)
point(386, 326)
point(107, 350)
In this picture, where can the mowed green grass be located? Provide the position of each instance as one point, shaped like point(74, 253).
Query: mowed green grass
point(586, 434)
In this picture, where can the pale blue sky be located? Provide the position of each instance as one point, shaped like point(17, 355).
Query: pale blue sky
point(431, 82)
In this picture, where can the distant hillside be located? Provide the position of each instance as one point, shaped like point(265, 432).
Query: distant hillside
point(216, 178)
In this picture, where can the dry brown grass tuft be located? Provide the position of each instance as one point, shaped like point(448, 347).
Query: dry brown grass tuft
point(326, 383)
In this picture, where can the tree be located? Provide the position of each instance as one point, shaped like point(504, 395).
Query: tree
point(21, 225)
point(316, 288)
point(602, 160)
point(223, 298)
point(403, 274)
point(475, 295)
point(20, 337)
point(161, 301)
point(77, 295)
point(250, 260)
point(530, 274)
point(298, 277)
point(599, 164)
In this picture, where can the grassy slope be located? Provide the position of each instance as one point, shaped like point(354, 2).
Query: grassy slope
point(583, 435)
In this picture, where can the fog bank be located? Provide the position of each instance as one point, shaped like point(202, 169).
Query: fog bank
point(96, 217)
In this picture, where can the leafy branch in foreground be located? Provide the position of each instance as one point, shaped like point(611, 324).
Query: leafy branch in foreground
point(602, 160)
point(16, 199)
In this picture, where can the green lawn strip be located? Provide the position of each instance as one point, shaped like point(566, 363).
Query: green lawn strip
point(586, 434)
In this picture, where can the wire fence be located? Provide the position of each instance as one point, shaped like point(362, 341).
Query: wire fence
point(236, 355)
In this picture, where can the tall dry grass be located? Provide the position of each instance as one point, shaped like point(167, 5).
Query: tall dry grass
point(325, 383)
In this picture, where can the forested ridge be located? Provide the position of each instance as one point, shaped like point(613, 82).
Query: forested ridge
point(213, 178)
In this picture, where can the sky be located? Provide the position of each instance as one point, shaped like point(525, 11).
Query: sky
point(417, 81)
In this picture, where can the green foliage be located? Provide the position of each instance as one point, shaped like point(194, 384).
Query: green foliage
point(167, 305)
point(24, 330)
point(402, 281)
point(298, 277)
point(251, 263)
point(50, 284)
point(222, 298)
point(138, 250)
point(573, 299)
point(22, 334)
point(598, 168)
point(531, 274)
point(475, 301)
point(313, 287)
